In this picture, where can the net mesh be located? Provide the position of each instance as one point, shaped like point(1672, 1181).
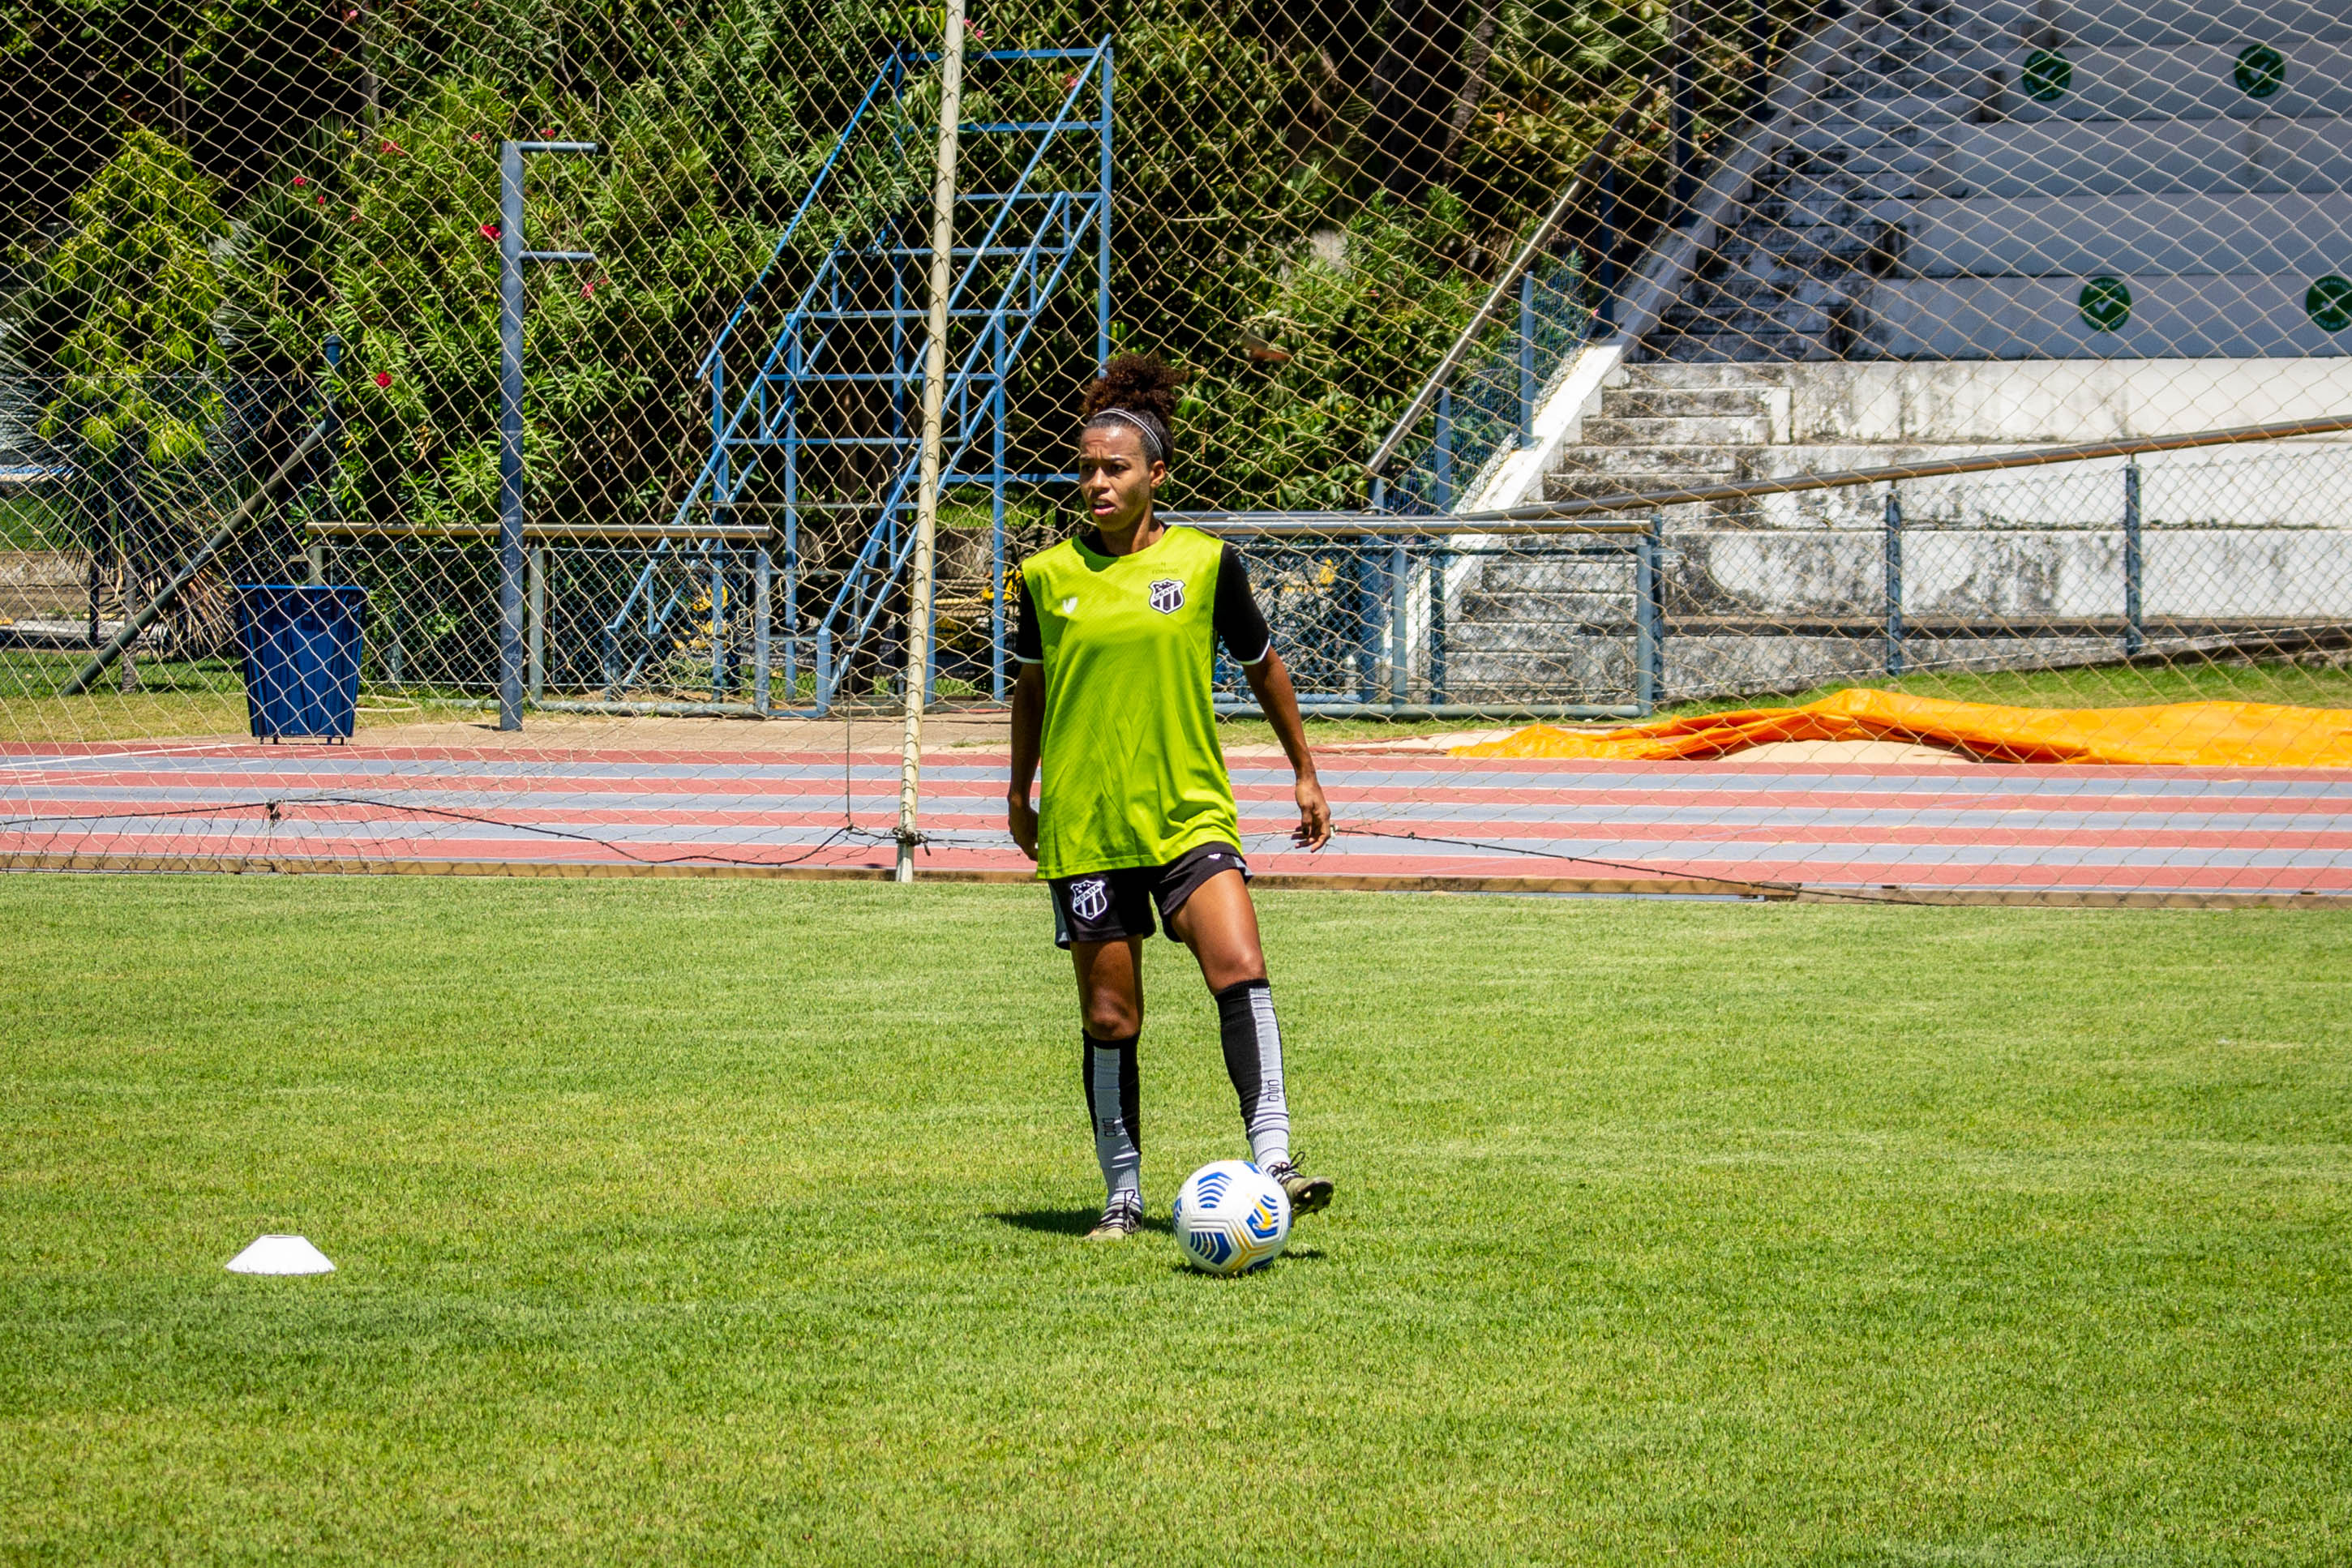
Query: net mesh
point(373, 377)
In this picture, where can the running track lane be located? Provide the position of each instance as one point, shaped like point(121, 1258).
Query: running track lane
point(1831, 828)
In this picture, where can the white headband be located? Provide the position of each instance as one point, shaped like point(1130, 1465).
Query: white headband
point(1155, 444)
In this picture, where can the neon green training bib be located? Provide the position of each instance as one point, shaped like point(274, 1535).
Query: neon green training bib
point(1133, 774)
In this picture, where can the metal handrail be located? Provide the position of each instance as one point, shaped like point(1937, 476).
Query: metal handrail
point(1541, 236)
point(1896, 473)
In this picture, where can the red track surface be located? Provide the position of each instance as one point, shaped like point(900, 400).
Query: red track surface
point(1827, 828)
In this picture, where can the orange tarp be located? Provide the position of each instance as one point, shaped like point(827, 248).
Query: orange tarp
point(2186, 734)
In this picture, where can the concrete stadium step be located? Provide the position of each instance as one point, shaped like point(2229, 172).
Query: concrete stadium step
point(1665, 464)
point(2067, 158)
point(1650, 402)
point(1640, 378)
point(2041, 236)
point(1588, 457)
point(2248, 315)
point(1681, 430)
point(2292, 232)
point(1591, 484)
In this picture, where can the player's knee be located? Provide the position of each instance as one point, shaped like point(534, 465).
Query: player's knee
point(1112, 1018)
point(1234, 966)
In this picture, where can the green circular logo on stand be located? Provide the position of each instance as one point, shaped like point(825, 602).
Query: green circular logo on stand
point(2328, 302)
point(2048, 75)
point(2105, 303)
point(2261, 70)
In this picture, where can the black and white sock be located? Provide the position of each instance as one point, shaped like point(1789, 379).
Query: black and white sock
point(1115, 1102)
point(1254, 1057)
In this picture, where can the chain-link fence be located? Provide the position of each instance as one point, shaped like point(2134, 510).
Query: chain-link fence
point(1519, 339)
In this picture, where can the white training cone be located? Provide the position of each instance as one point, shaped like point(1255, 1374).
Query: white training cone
point(281, 1255)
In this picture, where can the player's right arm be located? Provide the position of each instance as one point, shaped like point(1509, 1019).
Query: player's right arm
point(1028, 725)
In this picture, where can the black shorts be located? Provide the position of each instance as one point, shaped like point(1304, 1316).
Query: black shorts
point(1111, 906)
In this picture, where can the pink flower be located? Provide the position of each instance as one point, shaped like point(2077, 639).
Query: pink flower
point(320, 198)
point(384, 378)
point(392, 146)
point(973, 28)
point(490, 231)
point(300, 181)
point(475, 136)
point(588, 288)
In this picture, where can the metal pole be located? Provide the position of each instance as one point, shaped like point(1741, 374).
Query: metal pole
point(1438, 565)
point(1000, 410)
point(718, 574)
point(510, 583)
point(537, 687)
point(396, 659)
point(1102, 224)
point(1444, 457)
point(792, 608)
point(511, 256)
point(1894, 583)
point(1657, 607)
point(1400, 654)
point(761, 572)
point(926, 497)
point(1646, 571)
point(1528, 358)
point(792, 527)
point(2135, 631)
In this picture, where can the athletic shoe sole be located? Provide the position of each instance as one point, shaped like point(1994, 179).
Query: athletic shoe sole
point(1308, 1195)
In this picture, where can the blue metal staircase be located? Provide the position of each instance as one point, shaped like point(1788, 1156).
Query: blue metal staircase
point(815, 441)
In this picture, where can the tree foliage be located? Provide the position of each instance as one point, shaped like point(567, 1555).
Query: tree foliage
point(124, 308)
point(1309, 194)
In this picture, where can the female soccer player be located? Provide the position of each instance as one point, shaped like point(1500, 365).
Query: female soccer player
point(1114, 642)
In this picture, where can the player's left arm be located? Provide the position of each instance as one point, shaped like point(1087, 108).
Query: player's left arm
point(1243, 629)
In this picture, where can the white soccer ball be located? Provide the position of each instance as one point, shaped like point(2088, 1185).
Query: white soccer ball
point(1231, 1217)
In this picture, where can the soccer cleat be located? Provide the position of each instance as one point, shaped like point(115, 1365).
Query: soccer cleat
point(1122, 1218)
point(1308, 1195)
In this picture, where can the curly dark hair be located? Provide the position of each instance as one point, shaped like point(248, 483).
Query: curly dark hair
point(1137, 383)
point(1140, 392)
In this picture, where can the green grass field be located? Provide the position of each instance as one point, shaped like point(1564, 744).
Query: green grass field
point(734, 1221)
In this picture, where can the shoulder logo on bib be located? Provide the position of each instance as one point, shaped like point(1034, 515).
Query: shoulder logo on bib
point(1070, 606)
point(1167, 596)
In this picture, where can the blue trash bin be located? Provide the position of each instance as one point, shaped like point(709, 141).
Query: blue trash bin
point(301, 658)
